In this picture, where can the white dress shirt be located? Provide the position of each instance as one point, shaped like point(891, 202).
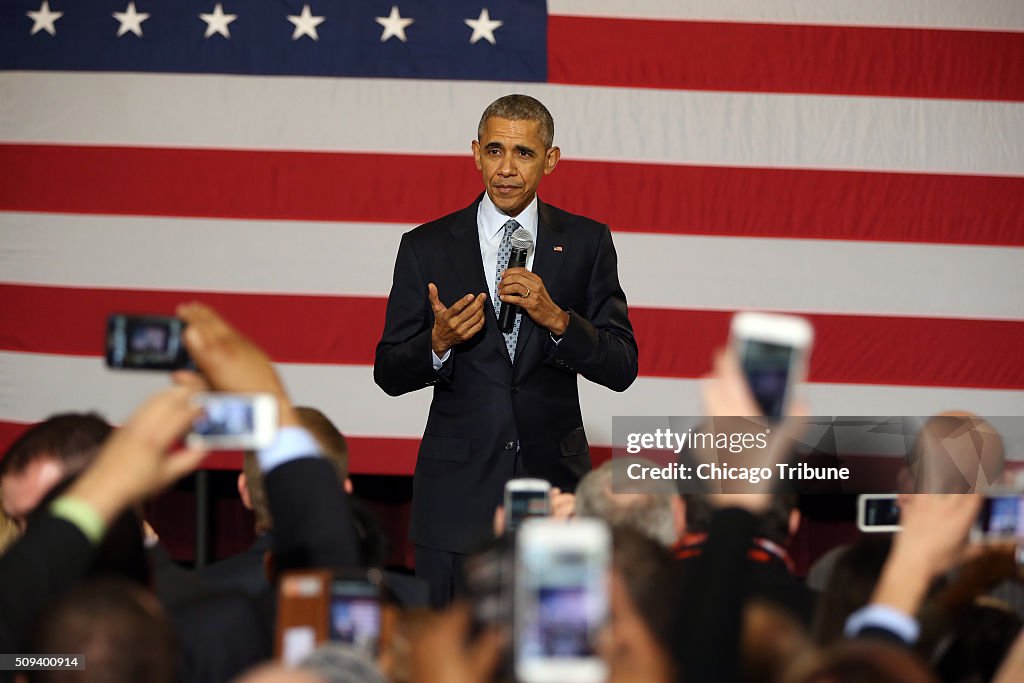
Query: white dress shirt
point(489, 223)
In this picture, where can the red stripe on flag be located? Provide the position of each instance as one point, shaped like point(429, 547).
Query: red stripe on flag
point(857, 349)
point(847, 60)
point(673, 343)
point(291, 328)
point(755, 202)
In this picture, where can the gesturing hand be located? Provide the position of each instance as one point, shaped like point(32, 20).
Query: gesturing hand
point(135, 461)
point(228, 360)
point(523, 288)
point(456, 324)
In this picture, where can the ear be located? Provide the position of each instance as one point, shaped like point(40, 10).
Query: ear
point(794, 521)
point(476, 156)
point(551, 160)
point(243, 491)
point(347, 485)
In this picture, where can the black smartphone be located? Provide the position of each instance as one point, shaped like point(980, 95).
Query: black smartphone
point(878, 512)
point(146, 342)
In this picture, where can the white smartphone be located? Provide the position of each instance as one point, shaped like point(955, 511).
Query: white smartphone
point(561, 600)
point(878, 512)
point(235, 421)
point(773, 351)
point(1001, 519)
point(525, 498)
point(355, 617)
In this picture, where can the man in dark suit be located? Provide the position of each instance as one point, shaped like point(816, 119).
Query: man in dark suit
point(504, 405)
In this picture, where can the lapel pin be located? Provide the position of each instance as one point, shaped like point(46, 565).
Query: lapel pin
point(558, 247)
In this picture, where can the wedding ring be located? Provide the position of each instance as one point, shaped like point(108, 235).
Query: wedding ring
point(527, 295)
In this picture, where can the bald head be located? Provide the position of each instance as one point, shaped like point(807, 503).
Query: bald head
point(956, 452)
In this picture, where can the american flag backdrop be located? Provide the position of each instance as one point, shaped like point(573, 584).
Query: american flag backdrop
point(860, 163)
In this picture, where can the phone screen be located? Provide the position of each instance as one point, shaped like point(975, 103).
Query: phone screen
point(766, 367)
point(146, 342)
point(566, 604)
point(232, 416)
point(525, 504)
point(1002, 517)
point(355, 614)
point(882, 512)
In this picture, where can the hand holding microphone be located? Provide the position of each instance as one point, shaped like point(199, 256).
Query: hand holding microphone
point(520, 289)
point(522, 242)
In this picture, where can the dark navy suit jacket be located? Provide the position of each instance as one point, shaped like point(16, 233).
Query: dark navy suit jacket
point(484, 404)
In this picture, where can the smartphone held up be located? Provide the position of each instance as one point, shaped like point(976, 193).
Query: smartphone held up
point(1000, 519)
point(772, 351)
point(234, 421)
point(146, 342)
point(525, 498)
point(561, 600)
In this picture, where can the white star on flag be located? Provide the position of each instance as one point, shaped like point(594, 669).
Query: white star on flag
point(131, 20)
point(483, 27)
point(44, 18)
point(305, 24)
point(394, 25)
point(218, 22)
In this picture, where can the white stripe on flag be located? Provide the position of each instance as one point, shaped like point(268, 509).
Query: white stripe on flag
point(618, 124)
point(357, 259)
point(34, 386)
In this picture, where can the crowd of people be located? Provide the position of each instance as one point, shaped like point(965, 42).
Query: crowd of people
point(700, 586)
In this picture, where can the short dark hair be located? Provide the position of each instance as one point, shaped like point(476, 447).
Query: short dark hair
point(118, 627)
point(520, 108)
point(73, 439)
point(771, 524)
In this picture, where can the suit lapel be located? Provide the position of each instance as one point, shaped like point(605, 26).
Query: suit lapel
point(547, 263)
point(464, 252)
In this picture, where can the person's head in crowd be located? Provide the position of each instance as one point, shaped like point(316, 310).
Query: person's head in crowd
point(849, 585)
point(860, 661)
point(772, 639)
point(335, 449)
point(119, 628)
point(651, 507)
point(956, 452)
point(44, 455)
point(637, 643)
point(776, 524)
point(981, 635)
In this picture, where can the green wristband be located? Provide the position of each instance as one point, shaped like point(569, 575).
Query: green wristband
point(82, 515)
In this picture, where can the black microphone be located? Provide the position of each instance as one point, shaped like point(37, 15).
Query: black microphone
point(522, 242)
